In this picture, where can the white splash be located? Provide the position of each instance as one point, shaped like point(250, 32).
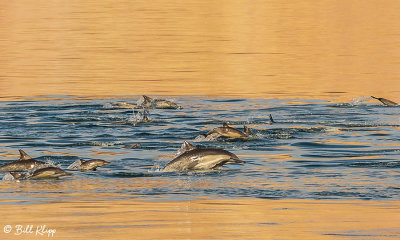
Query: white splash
point(358, 101)
point(207, 138)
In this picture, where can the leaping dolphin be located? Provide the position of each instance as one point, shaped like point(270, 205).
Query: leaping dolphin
point(125, 105)
point(87, 165)
point(42, 173)
point(134, 146)
point(230, 132)
point(149, 102)
point(24, 163)
point(201, 159)
point(385, 101)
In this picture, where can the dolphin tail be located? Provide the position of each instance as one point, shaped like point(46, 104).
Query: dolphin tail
point(247, 130)
point(23, 155)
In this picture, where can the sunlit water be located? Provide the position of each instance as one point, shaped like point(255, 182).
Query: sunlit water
point(328, 169)
point(315, 150)
point(266, 49)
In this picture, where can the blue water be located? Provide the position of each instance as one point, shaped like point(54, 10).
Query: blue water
point(316, 150)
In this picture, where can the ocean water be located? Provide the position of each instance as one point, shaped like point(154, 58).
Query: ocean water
point(317, 149)
point(327, 169)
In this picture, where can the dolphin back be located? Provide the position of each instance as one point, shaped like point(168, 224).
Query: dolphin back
point(23, 165)
point(75, 165)
point(228, 132)
point(200, 160)
point(48, 173)
point(92, 165)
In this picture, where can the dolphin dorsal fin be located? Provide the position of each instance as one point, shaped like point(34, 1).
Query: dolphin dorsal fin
point(225, 124)
point(23, 155)
point(147, 99)
point(271, 119)
point(75, 165)
point(189, 146)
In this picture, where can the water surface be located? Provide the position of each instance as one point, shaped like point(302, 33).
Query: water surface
point(266, 49)
point(315, 150)
point(329, 168)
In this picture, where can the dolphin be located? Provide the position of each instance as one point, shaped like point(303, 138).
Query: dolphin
point(201, 160)
point(145, 102)
point(91, 165)
point(385, 101)
point(230, 132)
point(165, 104)
point(24, 163)
point(42, 173)
point(125, 105)
point(137, 145)
point(149, 102)
point(87, 165)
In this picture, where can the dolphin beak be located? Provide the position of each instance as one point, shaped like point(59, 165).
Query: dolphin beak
point(236, 160)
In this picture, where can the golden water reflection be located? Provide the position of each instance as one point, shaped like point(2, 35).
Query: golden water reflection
point(210, 219)
point(266, 49)
point(273, 49)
